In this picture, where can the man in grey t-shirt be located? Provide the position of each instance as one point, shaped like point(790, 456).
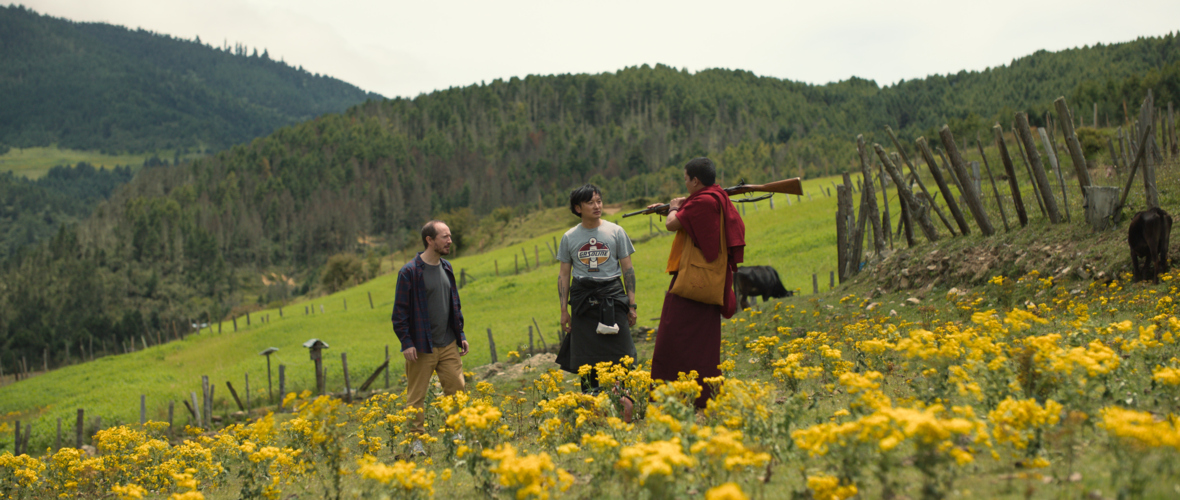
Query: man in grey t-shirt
point(595, 254)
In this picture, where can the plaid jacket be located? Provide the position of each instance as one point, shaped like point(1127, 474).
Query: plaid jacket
point(411, 318)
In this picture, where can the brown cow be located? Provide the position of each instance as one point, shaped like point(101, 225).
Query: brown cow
point(1148, 238)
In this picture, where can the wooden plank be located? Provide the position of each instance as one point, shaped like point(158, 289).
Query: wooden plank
point(1028, 170)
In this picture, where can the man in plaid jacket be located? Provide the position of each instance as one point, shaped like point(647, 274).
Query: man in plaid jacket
point(429, 323)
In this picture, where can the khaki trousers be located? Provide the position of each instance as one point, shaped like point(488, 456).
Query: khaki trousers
point(446, 362)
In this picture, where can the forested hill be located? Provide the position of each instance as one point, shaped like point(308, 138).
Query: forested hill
point(94, 86)
point(190, 241)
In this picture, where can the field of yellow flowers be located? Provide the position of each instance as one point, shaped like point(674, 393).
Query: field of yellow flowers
point(1023, 387)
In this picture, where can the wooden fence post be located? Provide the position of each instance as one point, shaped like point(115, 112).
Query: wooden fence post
point(526, 258)
point(842, 230)
point(903, 190)
point(1051, 155)
point(516, 264)
point(235, 324)
point(918, 179)
point(531, 350)
point(970, 194)
point(870, 196)
point(371, 300)
point(171, 412)
point(347, 384)
point(247, 318)
point(233, 392)
point(497, 264)
point(886, 222)
point(1146, 121)
point(386, 366)
point(951, 204)
point(1028, 170)
point(1071, 142)
point(142, 409)
point(831, 280)
point(492, 345)
point(16, 440)
point(247, 391)
point(197, 411)
point(282, 386)
point(78, 429)
point(995, 190)
point(1010, 170)
point(345, 303)
point(814, 284)
point(1034, 159)
point(536, 256)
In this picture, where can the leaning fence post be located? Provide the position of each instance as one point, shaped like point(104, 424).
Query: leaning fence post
point(1071, 142)
point(870, 195)
point(1034, 159)
point(911, 203)
point(1010, 170)
point(995, 190)
point(492, 345)
point(970, 194)
point(1051, 154)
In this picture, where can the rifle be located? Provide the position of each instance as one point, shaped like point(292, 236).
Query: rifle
point(786, 186)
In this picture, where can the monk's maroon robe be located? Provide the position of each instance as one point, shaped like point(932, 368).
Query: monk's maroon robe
point(689, 335)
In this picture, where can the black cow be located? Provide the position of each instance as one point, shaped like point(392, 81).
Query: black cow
point(758, 280)
point(1148, 238)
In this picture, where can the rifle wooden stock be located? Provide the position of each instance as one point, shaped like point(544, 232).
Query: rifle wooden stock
point(786, 186)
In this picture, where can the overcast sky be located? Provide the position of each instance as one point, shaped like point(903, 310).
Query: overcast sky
point(400, 48)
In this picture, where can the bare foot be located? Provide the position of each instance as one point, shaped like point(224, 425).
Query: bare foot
point(628, 409)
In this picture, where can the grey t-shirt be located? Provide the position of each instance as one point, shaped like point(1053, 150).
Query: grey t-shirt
point(595, 253)
point(438, 302)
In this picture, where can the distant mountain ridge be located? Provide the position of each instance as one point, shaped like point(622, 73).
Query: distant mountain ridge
point(95, 86)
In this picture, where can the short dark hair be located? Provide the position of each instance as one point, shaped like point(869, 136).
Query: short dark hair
point(582, 195)
point(702, 169)
point(430, 230)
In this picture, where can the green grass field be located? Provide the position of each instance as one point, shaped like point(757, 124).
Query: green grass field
point(36, 162)
point(798, 240)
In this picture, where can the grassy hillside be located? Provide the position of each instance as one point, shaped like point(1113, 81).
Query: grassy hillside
point(35, 162)
point(796, 239)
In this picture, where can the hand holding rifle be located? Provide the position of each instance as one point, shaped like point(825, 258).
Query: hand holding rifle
point(786, 186)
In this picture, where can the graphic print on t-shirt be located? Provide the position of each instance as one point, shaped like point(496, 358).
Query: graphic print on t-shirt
point(594, 253)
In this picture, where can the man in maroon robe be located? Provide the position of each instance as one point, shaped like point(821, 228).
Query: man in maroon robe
point(689, 336)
